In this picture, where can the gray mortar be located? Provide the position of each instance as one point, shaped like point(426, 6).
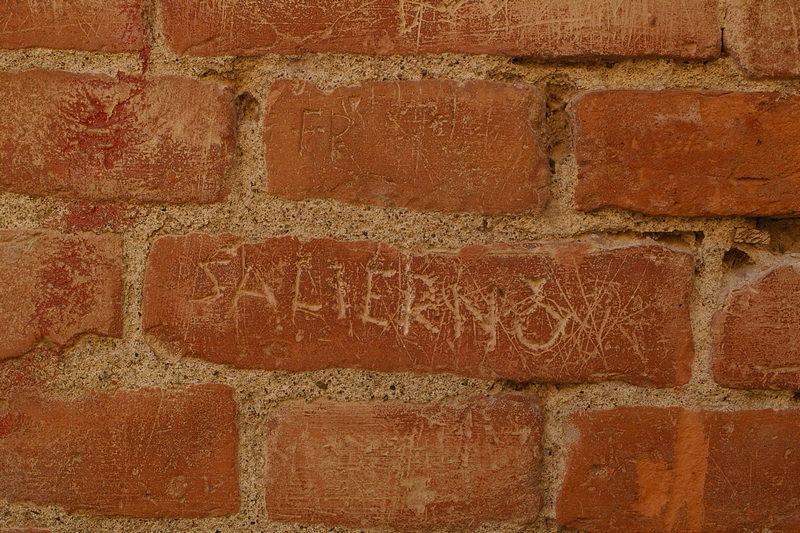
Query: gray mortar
point(95, 363)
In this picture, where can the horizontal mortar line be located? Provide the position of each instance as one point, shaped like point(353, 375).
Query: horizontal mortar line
point(254, 383)
point(285, 66)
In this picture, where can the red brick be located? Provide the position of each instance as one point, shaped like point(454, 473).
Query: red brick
point(688, 153)
point(405, 467)
point(427, 145)
point(549, 28)
point(644, 469)
point(144, 453)
point(761, 35)
point(635, 469)
point(30, 371)
point(756, 334)
point(81, 216)
point(753, 480)
point(96, 25)
point(55, 287)
point(571, 312)
point(92, 137)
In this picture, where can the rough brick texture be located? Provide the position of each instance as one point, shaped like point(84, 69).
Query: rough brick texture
point(405, 467)
point(143, 453)
point(85, 136)
point(80, 216)
point(427, 145)
point(637, 469)
point(550, 28)
point(688, 153)
point(644, 469)
point(55, 287)
point(762, 36)
point(97, 25)
point(569, 312)
point(756, 334)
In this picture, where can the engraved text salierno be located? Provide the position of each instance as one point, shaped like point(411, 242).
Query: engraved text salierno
point(568, 312)
point(399, 293)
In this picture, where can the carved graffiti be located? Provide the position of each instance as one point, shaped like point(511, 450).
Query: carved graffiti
point(554, 311)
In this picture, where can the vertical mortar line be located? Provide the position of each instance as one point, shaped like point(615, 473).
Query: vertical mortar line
point(552, 465)
point(558, 129)
point(705, 295)
point(136, 249)
point(159, 52)
point(149, 9)
point(251, 453)
point(250, 165)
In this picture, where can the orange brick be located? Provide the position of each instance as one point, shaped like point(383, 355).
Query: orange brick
point(540, 28)
point(756, 335)
point(405, 467)
point(645, 469)
point(92, 137)
point(753, 479)
point(569, 312)
point(426, 145)
point(761, 35)
point(56, 287)
point(143, 453)
point(79, 216)
point(96, 25)
point(688, 153)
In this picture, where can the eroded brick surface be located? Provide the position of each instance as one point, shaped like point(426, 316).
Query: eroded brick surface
point(644, 469)
point(549, 28)
point(756, 333)
point(80, 216)
point(97, 25)
point(762, 36)
point(753, 480)
point(405, 467)
point(143, 453)
point(166, 139)
point(54, 287)
point(688, 153)
point(637, 469)
point(568, 312)
point(427, 145)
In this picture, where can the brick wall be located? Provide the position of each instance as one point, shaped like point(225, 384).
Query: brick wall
point(507, 266)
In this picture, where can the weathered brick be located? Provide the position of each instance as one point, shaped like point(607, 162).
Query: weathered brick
point(426, 145)
point(637, 469)
point(688, 153)
point(549, 28)
point(143, 453)
point(405, 467)
point(753, 479)
point(166, 139)
point(96, 25)
point(79, 216)
point(571, 312)
point(55, 287)
point(762, 36)
point(756, 334)
point(644, 469)
point(31, 371)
